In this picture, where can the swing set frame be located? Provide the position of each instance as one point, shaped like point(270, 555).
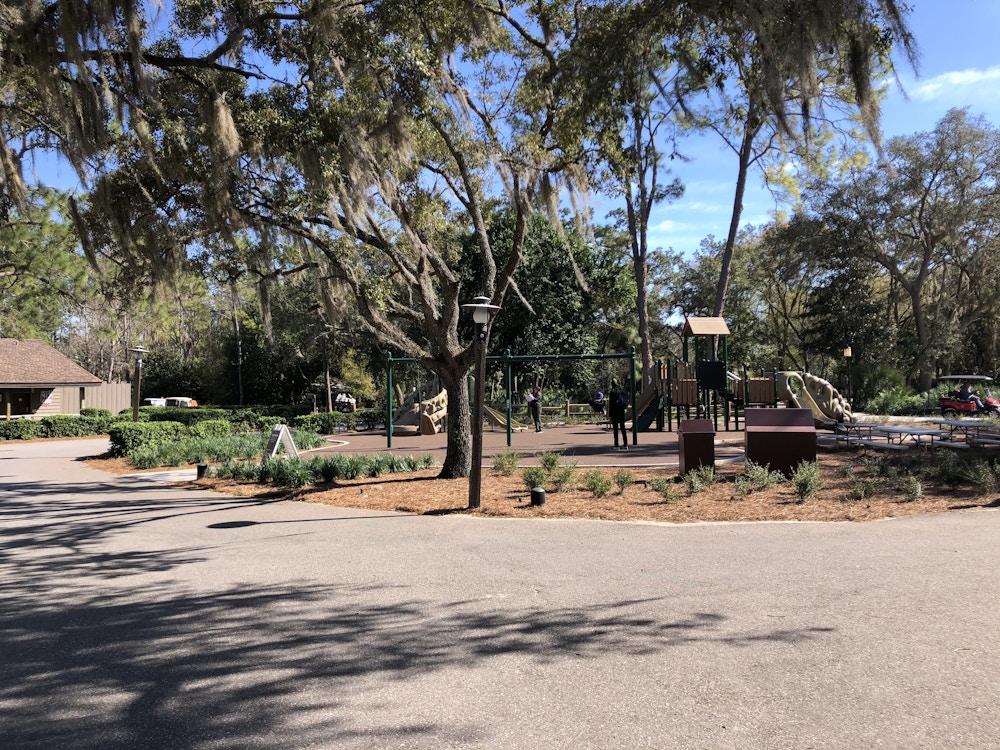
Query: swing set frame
point(508, 361)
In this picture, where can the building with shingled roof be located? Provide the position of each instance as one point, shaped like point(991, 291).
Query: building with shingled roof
point(36, 381)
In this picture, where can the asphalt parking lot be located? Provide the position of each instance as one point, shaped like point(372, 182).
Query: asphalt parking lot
point(141, 615)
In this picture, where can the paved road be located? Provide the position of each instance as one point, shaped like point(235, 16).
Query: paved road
point(138, 615)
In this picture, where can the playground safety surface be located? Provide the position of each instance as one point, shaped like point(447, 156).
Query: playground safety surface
point(586, 444)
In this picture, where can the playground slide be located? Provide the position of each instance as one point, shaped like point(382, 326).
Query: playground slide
point(805, 401)
point(808, 387)
point(647, 408)
point(494, 417)
point(421, 417)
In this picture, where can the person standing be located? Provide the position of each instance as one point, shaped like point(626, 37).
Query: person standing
point(617, 404)
point(534, 400)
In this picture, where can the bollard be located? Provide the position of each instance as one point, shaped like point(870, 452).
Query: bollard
point(202, 471)
point(538, 496)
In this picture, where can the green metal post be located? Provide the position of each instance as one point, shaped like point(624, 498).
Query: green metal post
point(635, 406)
point(388, 386)
point(509, 376)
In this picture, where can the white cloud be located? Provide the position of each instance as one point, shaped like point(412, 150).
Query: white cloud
point(957, 84)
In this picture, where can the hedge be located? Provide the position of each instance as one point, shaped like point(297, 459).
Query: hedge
point(129, 436)
point(20, 429)
point(70, 425)
point(212, 428)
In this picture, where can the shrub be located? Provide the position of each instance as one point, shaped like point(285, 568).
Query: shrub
point(287, 472)
point(20, 429)
point(70, 425)
point(185, 415)
point(369, 418)
point(623, 479)
point(88, 411)
point(560, 477)
point(212, 428)
point(762, 477)
point(913, 489)
point(898, 400)
point(806, 479)
point(549, 460)
point(323, 424)
point(126, 437)
point(268, 423)
point(534, 476)
point(505, 464)
point(597, 483)
point(699, 478)
point(664, 488)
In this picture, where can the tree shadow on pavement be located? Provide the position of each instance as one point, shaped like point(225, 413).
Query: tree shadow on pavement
point(229, 669)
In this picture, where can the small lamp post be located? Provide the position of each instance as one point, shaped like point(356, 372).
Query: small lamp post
point(139, 351)
point(482, 311)
point(847, 356)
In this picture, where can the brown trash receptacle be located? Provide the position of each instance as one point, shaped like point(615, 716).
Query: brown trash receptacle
point(696, 438)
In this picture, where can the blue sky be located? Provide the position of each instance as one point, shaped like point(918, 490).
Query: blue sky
point(959, 67)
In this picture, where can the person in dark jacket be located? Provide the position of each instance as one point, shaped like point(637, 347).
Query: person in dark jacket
point(617, 404)
point(534, 400)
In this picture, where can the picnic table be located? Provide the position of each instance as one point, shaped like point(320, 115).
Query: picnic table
point(891, 437)
point(972, 431)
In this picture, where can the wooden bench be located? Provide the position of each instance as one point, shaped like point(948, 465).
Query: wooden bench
point(780, 438)
point(879, 444)
point(951, 444)
point(830, 439)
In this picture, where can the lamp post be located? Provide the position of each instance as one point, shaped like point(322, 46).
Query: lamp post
point(139, 351)
point(847, 356)
point(482, 311)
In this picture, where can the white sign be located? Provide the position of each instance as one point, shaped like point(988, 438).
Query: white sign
point(280, 434)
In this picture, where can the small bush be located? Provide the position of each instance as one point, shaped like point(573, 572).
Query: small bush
point(806, 480)
point(623, 479)
point(549, 460)
point(534, 476)
point(762, 477)
point(699, 478)
point(212, 428)
point(561, 477)
point(287, 472)
point(597, 483)
point(913, 489)
point(665, 488)
point(505, 464)
point(897, 400)
point(326, 423)
point(88, 411)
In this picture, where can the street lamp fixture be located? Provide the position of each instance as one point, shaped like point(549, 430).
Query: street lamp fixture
point(482, 311)
point(137, 379)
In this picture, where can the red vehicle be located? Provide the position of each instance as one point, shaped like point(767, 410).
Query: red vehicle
point(952, 403)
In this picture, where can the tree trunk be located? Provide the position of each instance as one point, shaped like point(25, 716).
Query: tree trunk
point(458, 460)
point(734, 223)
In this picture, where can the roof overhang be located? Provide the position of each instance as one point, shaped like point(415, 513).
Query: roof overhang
point(705, 327)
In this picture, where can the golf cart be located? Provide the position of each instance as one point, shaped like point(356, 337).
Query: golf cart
point(952, 404)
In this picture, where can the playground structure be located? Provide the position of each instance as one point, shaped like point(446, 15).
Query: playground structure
point(681, 389)
point(805, 391)
point(407, 419)
point(706, 388)
point(421, 416)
